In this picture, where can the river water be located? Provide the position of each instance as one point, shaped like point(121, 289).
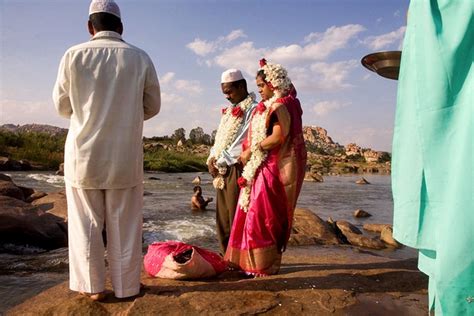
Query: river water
point(167, 216)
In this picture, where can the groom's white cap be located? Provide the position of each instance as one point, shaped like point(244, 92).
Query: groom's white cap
point(105, 6)
point(231, 75)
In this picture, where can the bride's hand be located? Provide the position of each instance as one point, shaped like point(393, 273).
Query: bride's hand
point(245, 156)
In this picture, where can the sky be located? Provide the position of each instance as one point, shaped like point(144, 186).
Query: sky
point(191, 42)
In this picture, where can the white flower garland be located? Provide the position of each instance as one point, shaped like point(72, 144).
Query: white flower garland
point(258, 134)
point(226, 133)
point(277, 76)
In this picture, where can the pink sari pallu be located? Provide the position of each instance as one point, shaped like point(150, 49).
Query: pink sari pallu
point(178, 260)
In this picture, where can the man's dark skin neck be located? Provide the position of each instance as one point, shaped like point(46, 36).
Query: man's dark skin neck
point(93, 31)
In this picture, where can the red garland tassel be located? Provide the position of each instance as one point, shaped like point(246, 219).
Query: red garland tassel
point(242, 182)
point(237, 111)
point(261, 108)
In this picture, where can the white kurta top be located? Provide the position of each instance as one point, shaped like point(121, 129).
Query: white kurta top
point(107, 88)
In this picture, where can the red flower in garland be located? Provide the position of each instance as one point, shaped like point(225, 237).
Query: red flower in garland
point(261, 108)
point(223, 110)
point(263, 62)
point(237, 111)
point(242, 182)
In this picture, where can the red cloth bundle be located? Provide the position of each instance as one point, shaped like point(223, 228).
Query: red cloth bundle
point(178, 260)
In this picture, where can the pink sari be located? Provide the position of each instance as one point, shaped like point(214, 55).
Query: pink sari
point(259, 236)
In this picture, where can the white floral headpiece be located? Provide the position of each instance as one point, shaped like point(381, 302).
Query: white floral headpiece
point(276, 75)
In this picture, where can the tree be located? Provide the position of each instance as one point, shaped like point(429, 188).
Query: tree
point(213, 137)
point(179, 134)
point(196, 135)
point(206, 139)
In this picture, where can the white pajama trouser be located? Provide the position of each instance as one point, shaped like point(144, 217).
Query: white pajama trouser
point(121, 210)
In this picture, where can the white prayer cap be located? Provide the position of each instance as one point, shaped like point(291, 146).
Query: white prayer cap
point(106, 6)
point(231, 75)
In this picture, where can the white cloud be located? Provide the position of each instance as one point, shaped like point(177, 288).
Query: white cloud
point(202, 47)
point(317, 47)
point(27, 112)
point(243, 56)
point(323, 108)
point(192, 86)
point(397, 14)
point(172, 86)
point(167, 77)
point(385, 40)
point(334, 38)
point(321, 76)
point(169, 98)
point(235, 34)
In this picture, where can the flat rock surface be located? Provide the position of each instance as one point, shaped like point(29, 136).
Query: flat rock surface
point(315, 280)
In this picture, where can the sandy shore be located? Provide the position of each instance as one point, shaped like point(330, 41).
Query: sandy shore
point(316, 280)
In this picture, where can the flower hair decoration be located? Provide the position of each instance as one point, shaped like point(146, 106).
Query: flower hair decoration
point(276, 76)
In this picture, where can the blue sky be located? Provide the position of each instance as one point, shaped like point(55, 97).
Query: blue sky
point(191, 42)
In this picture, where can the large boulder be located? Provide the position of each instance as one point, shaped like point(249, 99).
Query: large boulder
point(7, 164)
point(36, 195)
point(386, 235)
point(309, 229)
point(348, 228)
point(376, 228)
point(313, 177)
point(4, 177)
point(362, 181)
point(355, 237)
point(53, 203)
point(361, 213)
point(8, 188)
point(25, 224)
point(27, 192)
point(25, 165)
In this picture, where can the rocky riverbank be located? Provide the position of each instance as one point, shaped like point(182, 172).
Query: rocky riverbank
point(29, 217)
point(330, 267)
point(314, 280)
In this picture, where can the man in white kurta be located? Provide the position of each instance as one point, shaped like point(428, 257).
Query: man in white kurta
point(107, 88)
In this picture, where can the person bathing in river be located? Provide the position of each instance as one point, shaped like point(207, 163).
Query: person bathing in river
point(198, 202)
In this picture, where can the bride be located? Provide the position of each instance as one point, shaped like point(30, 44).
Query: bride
point(274, 156)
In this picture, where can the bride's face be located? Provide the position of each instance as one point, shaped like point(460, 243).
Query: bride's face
point(263, 88)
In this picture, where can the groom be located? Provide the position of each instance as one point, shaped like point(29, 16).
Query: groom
point(222, 161)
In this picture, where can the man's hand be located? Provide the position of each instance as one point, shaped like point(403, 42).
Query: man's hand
point(245, 156)
point(212, 167)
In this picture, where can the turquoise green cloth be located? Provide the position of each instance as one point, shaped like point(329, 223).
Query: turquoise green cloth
point(432, 165)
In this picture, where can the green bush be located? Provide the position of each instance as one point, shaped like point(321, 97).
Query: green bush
point(48, 151)
point(167, 161)
point(37, 148)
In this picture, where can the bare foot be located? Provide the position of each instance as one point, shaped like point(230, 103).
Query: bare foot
point(98, 297)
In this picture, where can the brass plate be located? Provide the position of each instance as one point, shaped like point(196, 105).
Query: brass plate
point(386, 64)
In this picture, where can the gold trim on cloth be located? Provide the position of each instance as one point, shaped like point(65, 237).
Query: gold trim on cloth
point(260, 261)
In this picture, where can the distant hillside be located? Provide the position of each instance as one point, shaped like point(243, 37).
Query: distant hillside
point(36, 128)
point(44, 144)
